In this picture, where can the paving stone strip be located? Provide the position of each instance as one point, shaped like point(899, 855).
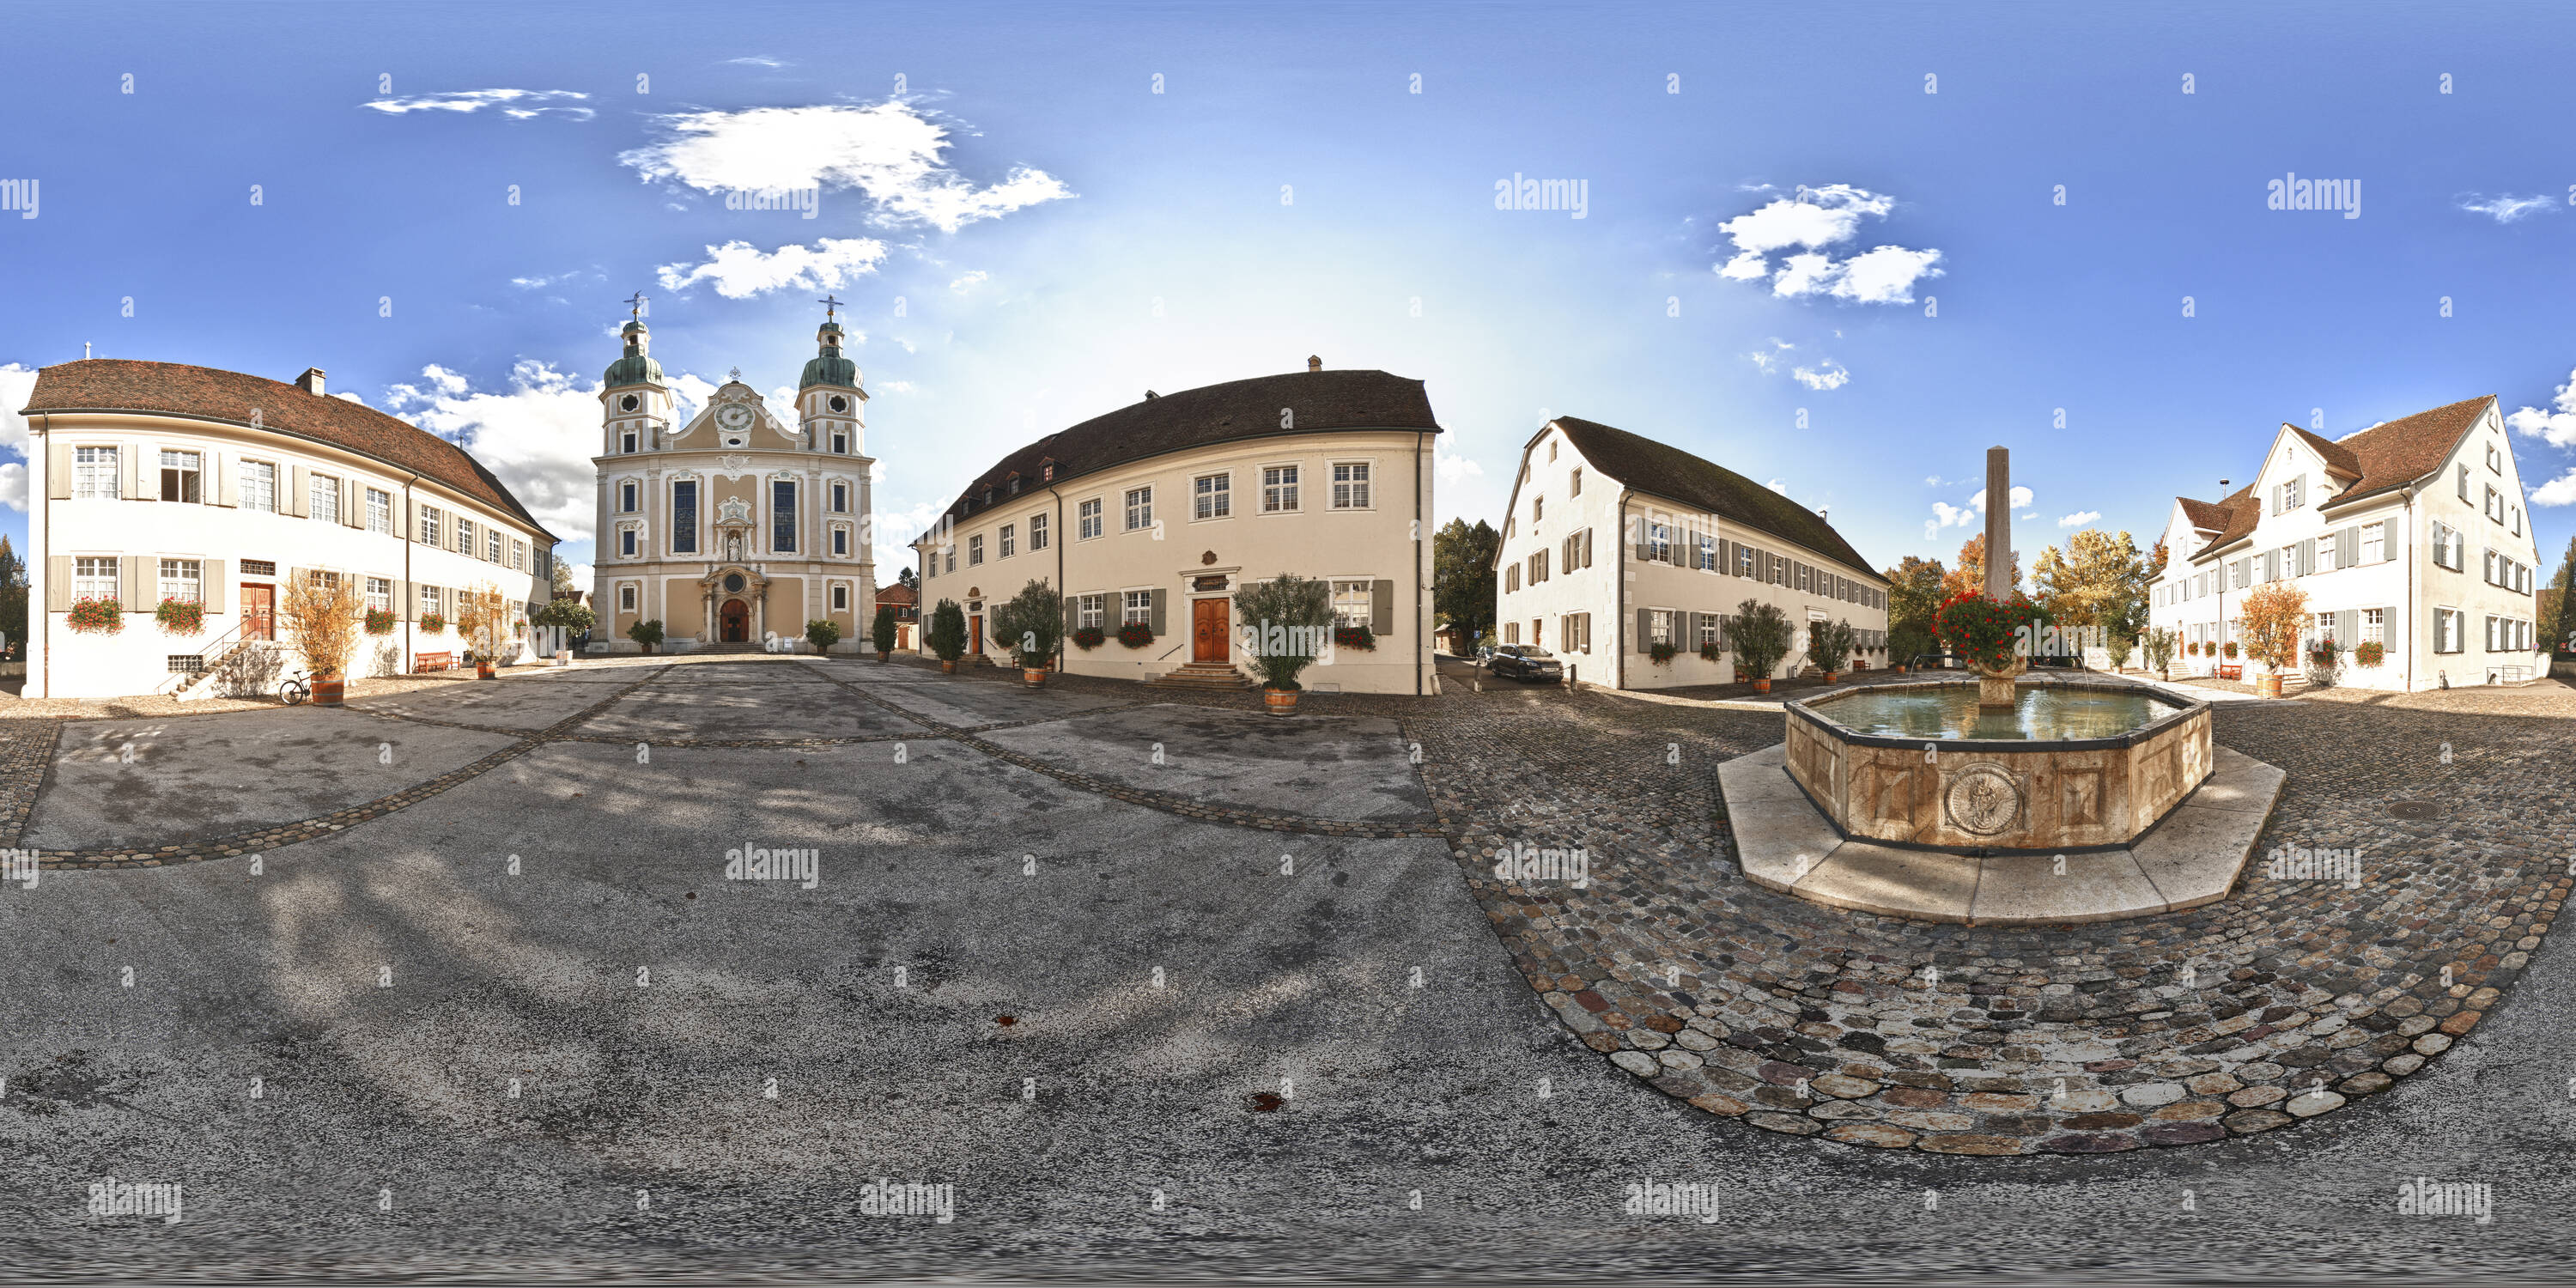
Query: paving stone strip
point(281, 834)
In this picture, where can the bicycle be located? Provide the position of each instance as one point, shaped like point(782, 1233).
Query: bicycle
point(294, 688)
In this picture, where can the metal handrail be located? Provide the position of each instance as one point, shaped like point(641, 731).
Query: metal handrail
point(212, 654)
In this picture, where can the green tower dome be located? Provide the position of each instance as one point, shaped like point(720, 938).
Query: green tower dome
point(637, 367)
point(828, 367)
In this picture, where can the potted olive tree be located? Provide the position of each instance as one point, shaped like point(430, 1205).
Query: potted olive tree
point(948, 634)
point(646, 633)
point(481, 615)
point(881, 631)
point(1762, 635)
point(1830, 644)
point(822, 633)
point(321, 611)
point(1285, 621)
point(2159, 648)
point(570, 616)
point(1034, 621)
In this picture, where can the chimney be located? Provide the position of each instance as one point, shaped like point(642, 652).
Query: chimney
point(1150, 395)
point(1314, 363)
point(311, 381)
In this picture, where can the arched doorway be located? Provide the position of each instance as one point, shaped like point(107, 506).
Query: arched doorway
point(737, 622)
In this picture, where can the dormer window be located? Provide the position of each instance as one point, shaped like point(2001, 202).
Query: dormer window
point(1047, 472)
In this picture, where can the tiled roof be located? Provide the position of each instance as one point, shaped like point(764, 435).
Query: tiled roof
point(898, 593)
point(1648, 466)
point(1316, 401)
point(2379, 459)
point(2206, 516)
point(119, 384)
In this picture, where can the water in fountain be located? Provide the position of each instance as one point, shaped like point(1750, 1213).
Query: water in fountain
point(2048, 714)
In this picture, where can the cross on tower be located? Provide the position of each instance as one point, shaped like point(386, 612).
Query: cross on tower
point(636, 302)
point(734, 375)
point(829, 304)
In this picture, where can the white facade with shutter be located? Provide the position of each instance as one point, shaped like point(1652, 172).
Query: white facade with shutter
point(142, 506)
point(1596, 568)
point(2417, 541)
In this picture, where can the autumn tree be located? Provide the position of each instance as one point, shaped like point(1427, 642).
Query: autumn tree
point(1971, 572)
point(2272, 617)
point(2093, 582)
point(2562, 598)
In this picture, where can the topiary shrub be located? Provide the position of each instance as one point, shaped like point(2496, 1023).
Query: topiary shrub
point(822, 633)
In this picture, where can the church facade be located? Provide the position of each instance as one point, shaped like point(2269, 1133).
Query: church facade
point(734, 529)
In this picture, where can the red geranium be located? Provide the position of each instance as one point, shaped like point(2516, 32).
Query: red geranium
point(1988, 633)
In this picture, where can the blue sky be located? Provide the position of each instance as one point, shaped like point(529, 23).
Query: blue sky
point(1061, 237)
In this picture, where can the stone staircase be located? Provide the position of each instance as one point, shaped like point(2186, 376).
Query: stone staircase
point(1203, 675)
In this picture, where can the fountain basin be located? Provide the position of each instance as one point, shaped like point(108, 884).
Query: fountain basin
point(2075, 765)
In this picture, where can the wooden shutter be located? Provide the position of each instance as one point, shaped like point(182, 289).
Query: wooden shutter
point(2387, 540)
point(58, 475)
point(2348, 628)
point(2307, 556)
point(353, 503)
point(1587, 547)
point(143, 474)
point(300, 498)
point(1382, 607)
point(212, 570)
point(225, 488)
point(1072, 605)
point(137, 579)
point(58, 583)
point(2347, 547)
point(1155, 620)
point(1645, 631)
point(406, 605)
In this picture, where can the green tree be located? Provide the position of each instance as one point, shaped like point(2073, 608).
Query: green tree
point(1285, 622)
point(1462, 577)
point(881, 631)
point(2160, 652)
point(909, 578)
point(948, 631)
point(562, 579)
point(2563, 636)
point(13, 595)
point(1032, 622)
point(1762, 636)
point(1913, 591)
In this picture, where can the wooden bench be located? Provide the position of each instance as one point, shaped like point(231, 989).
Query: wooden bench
point(2231, 671)
point(424, 663)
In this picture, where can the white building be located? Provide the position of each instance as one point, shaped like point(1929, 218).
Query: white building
point(1616, 543)
point(1155, 514)
point(737, 528)
point(153, 481)
point(2410, 535)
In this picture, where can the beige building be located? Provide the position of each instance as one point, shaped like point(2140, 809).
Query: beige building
point(1616, 543)
point(735, 529)
point(1153, 515)
point(2410, 535)
point(156, 482)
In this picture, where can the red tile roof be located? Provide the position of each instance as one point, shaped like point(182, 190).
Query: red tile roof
point(898, 594)
point(118, 384)
point(2379, 459)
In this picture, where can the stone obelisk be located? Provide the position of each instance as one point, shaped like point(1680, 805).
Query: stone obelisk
point(1997, 690)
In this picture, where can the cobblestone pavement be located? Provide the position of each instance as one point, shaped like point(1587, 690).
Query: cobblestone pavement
point(2288, 1000)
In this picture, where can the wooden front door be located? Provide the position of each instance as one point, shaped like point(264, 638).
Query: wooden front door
point(737, 621)
point(1208, 631)
point(975, 635)
point(259, 612)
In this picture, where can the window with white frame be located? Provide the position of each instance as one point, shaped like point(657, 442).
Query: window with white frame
point(949, 564)
point(1707, 552)
point(380, 511)
point(94, 578)
point(1037, 532)
point(974, 550)
point(1008, 545)
point(2325, 628)
point(465, 536)
point(841, 539)
point(626, 442)
point(180, 476)
point(1511, 577)
point(2495, 505)
point(1137, 608)
point(840, 498)
point(2374, 626)
point(380, 594)
point(841, 442)
point(1278, 489)
point(428, 525)
point(2373, 543)
point(1354, 602)
point(1708, 623)
point(431, 599)
point(840, 597)
point(626, 542)
point(1212, 496)
point(1538, 504)
point(1140, 508)
point(1351, 487)
point(1091, 611)
point(94, 474)
point(1537, 566)
point(626, 599)
point(1511, 632)
point(1659, 626)
point(1659, 543)
point(183, 580)
point(1086, 519)
point(518, 556)
point(2495, 459)
point(258, 489)
point(2446, 630)
point(1574, 481)
point(491, 544)
point(322, 497)
point(627, 494)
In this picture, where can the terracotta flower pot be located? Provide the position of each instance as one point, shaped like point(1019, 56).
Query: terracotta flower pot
point(483, 669)
point(329, 690)
point(882, 655)
point(563, 657)
point(1833, 677)
point(1762, 685)
point(947, 667)
point(1282, 702)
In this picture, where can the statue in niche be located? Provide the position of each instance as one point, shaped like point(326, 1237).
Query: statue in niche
point(733, 547)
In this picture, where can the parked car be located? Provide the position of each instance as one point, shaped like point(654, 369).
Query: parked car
point(1526, 662)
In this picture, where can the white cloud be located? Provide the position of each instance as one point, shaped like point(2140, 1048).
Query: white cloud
point(582, 574)
point(1811, 223)
point(1830, 375)
point(2507, 208)
point(2080, 517)
point(969, 281)
point(1945, 515)
point(2020, 498)
point(1778, 486)
point(345, 396)
point(13, 486)
point(2558, 491)
point(2556, 428)
point(17, 385)
point(741, 270)
point(757, 60)
point(894, 386)
point(1769, 361)
point(537, 436)
point(891, 153)
point(1453, 469)
point(518, 104)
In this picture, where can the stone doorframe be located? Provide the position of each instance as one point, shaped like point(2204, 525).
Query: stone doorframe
point(712, 592)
